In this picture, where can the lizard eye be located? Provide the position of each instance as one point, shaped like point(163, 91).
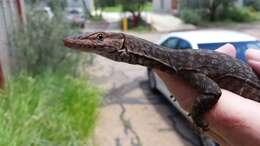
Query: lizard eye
point(100, 37)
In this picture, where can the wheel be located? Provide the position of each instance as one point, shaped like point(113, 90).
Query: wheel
point(151, 80)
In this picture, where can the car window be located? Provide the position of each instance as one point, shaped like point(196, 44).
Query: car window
point(253, 45)
point(171, 43)
point(211, 46)
point(74, 12)
point(241, 47)
point(183, 45)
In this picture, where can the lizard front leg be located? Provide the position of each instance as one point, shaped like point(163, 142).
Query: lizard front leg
point(209, 93)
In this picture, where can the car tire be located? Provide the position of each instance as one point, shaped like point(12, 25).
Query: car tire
point(152, 80)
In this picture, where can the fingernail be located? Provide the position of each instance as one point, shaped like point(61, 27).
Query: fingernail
point(228, 49)
point(253, 54)
point(255, 65)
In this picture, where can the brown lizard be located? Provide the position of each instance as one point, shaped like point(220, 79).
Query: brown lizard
point(206, 70)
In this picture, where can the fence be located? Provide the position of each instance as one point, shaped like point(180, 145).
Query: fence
point(8, 20)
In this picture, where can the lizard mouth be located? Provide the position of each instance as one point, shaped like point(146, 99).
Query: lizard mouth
point(70, 42)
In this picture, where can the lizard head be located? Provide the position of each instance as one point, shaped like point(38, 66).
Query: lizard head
point(102, 43)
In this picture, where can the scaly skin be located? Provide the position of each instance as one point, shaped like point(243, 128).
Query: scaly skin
point(207, 71)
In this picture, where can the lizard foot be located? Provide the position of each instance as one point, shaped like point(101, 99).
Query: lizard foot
point(196, 116)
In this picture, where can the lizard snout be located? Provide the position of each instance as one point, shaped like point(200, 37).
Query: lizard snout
point(70, 41)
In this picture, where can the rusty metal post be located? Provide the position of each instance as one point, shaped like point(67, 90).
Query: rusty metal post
point(21, 11)
point(2, 81)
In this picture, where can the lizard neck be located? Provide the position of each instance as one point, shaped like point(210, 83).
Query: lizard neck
point(142, 52)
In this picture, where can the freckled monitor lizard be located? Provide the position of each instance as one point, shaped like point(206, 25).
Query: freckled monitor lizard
point(206, 70)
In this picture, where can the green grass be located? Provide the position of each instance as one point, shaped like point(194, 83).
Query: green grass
point(118, 8)
point(257, 16)
point(141, 29)
point(48, 110)
point(148, 7)
point(96, 18)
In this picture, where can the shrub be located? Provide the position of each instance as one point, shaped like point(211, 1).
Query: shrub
point(39, 46)
point(190, 16)
point(47, 110)
point(239, 14)
point(254, 4)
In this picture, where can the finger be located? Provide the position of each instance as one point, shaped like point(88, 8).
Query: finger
point(181, 90)
point(224, 116)
point(253, 54)
point(255, 65)
point(228, 49)
point(253, 57)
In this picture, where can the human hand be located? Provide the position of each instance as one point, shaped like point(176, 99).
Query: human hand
point(234, 120)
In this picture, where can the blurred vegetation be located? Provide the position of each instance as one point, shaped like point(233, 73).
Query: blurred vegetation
point(190, 16)
point(47, 102)
point(58, 6)
point(220, 10)
point(118, 8)
point(39, 47)
point(255, 4)
point(239, 14)
point(47, 110)
point(139, 26)
point(141, 29)
point(209, 8)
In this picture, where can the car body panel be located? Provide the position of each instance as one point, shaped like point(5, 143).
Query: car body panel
point(232, 37)
point(195, 39)
point(209, 36)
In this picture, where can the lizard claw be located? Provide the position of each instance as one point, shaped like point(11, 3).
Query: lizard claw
point(173, 98)
point(197, 119)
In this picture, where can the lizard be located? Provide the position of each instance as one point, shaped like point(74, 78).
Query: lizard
point(207, 71)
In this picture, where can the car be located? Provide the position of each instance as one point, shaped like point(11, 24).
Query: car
point(200, 39)
point(44, 11)
point(75, 16)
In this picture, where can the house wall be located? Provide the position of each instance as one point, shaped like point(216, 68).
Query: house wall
point(165, 5)
point(8, 19)
point(162, 5)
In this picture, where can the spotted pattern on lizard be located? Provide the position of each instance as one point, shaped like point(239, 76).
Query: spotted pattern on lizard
point(206, 70)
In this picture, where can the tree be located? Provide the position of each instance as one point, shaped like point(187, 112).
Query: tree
point(209, 8)
point(101, 4)
point(214, 5)
point(135, 7)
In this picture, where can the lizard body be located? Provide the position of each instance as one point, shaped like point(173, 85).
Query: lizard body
point(206, 70)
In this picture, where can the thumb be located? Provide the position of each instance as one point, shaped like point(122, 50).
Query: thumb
point(253, 57)
point(228, 49)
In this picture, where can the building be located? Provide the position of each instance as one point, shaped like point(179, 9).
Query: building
point(78, 3)
point(165, 5)
point(173, 6)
